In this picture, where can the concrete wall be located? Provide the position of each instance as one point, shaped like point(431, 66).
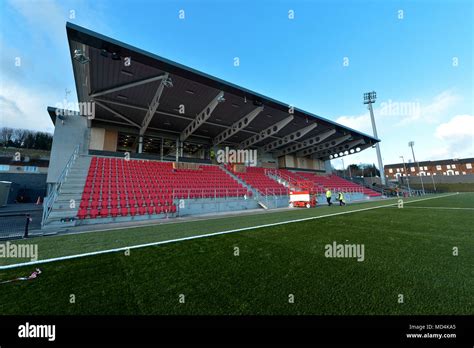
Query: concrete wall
point(103, 139)
point(442, 179)
point(97, 139)
point(294, 162)
point(29, 185)
point(66, 136)
point(200, 206)
point(327, 167)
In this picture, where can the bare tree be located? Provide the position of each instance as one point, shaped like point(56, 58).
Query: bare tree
point(6, 135)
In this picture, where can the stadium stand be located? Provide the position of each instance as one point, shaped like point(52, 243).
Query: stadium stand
point(170, 172)
point(260, 181)
point(117, 187)
point(336, 183)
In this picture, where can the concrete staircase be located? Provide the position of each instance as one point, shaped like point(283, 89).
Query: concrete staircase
point(264, 202)
point(255, 193)
point(67, 202)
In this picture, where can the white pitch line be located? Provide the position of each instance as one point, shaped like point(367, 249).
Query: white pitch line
point(108, 251)
point(442, 208)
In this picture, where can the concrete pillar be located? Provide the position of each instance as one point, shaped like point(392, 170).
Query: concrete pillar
point(327, 167)
point(140, 143)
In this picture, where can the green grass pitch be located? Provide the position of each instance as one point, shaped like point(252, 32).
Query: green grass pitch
point(408, 252)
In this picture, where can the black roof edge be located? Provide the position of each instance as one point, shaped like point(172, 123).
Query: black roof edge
point(94, 39)
point(53, 112)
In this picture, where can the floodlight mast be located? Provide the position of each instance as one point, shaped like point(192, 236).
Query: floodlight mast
point(411, 144)
point(406, 174)
point(369, 98)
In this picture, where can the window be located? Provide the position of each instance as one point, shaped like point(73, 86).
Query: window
point(456, 172)
point(30, 169)
point(412, 169)
point(4, 167)
point(390, 170)
point(468, 165)
point(453, 166)
point(426, 168)
point(463, 173)
point(448, 166)
point(438, 167)
point(398, 170)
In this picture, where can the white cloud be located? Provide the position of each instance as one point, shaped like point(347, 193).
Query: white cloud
point(430, 113)
point(398, 113)
point(456, 136)
point(24, 108)
point(360, 123)
point(47, 17)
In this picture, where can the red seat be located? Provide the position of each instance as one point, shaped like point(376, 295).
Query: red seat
point(82, 213)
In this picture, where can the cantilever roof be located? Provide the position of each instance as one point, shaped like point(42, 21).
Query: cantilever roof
point(105, 71)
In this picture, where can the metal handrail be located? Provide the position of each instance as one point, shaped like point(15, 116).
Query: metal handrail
point(51, 198)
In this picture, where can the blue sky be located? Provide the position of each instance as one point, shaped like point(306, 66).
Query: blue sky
point(417, 55)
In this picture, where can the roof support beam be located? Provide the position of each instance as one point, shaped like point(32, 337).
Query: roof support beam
point(153, 106)
point(345, 147)
point(116, 113)
point(237, 126)
point(289, 138)
point(183, 116)
point(306, 143)
point(129, 85)
point(266, 133)
point(325, 146)
point(202, 116)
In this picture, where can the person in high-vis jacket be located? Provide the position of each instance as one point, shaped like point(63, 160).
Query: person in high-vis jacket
point(328, 196)
point(340, 198)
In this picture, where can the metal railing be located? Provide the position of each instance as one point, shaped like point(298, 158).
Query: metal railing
point(56, 188)
point(209, 193)
point(14, 225)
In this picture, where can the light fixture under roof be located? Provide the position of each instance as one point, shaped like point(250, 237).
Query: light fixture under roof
point(189, 91)
point(81, 57)
point(269, 116)
point(122, 97)
point(235, 105)
point(168, 82)
point(125, 72)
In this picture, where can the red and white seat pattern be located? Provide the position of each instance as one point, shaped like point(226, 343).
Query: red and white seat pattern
point(118, 187)
point(259, 180)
